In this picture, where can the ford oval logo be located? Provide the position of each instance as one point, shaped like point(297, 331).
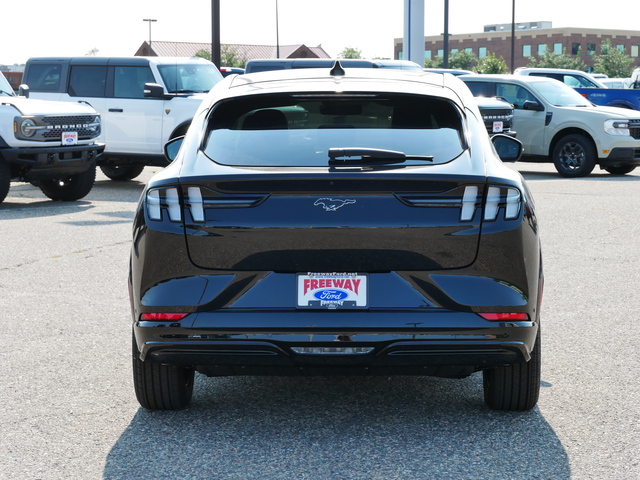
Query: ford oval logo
point(331, 295)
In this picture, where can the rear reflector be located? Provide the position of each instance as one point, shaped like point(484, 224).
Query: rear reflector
point(160, 317)
point(332, 350)
point(505, 317)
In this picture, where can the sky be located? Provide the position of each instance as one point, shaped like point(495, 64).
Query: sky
point(117, 27)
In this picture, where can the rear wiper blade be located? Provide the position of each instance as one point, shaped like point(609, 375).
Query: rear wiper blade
point(369, 156)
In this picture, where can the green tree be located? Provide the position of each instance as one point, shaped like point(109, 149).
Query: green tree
point(229, 56)
point(92, 53)
point(433, 63)
point(492, 64)
point(551, 59)
point(463, 60)
point(349, 52)
point(206, 54)
point(613, 62)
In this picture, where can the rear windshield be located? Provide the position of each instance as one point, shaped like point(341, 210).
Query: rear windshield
point(299, 130)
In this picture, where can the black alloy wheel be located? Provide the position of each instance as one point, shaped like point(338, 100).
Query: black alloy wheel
point(574, 156)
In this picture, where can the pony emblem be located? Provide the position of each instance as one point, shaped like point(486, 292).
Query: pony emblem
point(333, 204)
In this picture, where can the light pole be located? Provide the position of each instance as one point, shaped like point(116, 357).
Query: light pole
point(513, 35)
point(149, 20)
point(277, 33)
point(215, 33)
point(445, 43)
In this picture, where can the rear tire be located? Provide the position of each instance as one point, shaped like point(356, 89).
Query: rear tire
point(121, 173)
point(621, 170)
point(161, 387)
point(514, 387)
point(574, 156)
point(73, 187)
point(5, 179)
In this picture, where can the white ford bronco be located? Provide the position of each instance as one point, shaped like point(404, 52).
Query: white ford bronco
point(50, 144)
point(144, 101)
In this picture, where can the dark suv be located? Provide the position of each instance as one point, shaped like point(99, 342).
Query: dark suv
point(337, 222)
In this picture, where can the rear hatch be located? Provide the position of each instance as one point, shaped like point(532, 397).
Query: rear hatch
point(333, 183)
point(362, 223)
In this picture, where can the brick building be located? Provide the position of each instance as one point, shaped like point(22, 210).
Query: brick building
point(532, 39)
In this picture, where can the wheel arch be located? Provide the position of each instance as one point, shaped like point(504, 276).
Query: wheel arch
point(621, 103)
point(570, 131)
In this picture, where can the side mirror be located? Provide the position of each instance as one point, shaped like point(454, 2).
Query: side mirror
point(508, 148)
point(23, 90)
point(153, 90)
point(532, 105)
point(172, 147)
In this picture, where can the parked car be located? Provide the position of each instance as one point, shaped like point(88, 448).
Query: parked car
point(337, 221)
point(496, 112)
point(144, 101)
point(50, 144)
point(226, 71)
point(269, 64)
point(572, 78)
point(616, 83)
point(587, 86)
point(556, 123)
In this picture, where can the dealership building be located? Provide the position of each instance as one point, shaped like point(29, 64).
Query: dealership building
point(531, 39)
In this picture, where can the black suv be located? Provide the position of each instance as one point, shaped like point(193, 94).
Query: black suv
point(337, 222)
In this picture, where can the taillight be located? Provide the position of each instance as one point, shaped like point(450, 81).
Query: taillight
point(502, 197)
point(164, 199)
point(469, 200)
point(505, 317)
point(195, 201)
point(163, 317)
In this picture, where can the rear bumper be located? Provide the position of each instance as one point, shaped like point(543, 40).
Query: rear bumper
point(443, 343)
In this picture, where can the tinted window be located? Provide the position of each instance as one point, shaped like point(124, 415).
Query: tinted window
point(514, 94)
point(87, 81)
point(44, 77)
point(191, 77)
point(128, 82)
point(299, 131)
point(481, 89)
point(578, 82)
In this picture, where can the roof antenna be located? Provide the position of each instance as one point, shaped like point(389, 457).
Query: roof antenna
point(337, 70)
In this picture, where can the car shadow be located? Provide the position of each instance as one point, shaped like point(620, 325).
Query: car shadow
point(338, 427)
point(26, 200)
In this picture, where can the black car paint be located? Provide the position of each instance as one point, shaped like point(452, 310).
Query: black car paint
point(423, 314)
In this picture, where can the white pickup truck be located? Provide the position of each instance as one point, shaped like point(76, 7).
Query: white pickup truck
point(554, 122)
point(144, 101)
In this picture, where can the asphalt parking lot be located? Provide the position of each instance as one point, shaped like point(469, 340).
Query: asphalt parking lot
point(69, 411)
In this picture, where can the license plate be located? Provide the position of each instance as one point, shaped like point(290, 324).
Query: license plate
point(69, 138)
point(332, 290)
